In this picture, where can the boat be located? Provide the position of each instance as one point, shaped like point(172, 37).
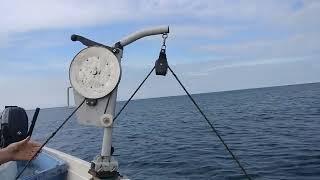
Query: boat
point(94, 74)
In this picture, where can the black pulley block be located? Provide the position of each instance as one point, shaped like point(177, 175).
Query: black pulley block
point(161, 64)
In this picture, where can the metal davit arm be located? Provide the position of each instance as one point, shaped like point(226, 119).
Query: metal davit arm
point(143, 33)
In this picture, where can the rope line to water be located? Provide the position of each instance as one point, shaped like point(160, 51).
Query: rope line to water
point(127, 102)
point(211, 125)
point(106, 108)
point(49, 138)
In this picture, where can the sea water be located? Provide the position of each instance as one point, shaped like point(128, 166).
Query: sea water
point(273, 131)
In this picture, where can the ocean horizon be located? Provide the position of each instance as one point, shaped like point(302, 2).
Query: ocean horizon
point(274, 132)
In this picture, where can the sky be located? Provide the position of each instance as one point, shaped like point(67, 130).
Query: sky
point(213, 45)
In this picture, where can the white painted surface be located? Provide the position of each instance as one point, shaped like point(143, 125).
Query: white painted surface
point(77, 168)
point(143, 33)
point(8, 171)
point(94, 72)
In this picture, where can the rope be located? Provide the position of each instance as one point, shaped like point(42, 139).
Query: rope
point(49, 138)
point(105, 109)
point(117, 115)
point(211, 125)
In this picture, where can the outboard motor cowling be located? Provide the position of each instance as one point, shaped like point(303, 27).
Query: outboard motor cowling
point(14, 125)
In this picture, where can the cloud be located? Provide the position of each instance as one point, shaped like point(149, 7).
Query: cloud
point(304, 19)
point(241, 37)
point(206, 68)
point(292, 29)
point(294, 45)
point(22, 16)
point(207, 18)
point(200, 31)
point(204, 77)
point(33, 91)
point(28, 67)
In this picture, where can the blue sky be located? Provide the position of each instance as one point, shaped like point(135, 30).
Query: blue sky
point(214, 45)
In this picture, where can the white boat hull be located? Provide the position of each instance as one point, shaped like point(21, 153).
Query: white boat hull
point(77, 168)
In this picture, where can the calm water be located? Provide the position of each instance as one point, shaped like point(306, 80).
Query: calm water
point(275, 132)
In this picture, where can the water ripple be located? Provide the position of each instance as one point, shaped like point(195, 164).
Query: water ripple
point(274, 132)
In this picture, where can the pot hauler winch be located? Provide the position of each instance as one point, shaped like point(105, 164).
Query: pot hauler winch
point(94, 74)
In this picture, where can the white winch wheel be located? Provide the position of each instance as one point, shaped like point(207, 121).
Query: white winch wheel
point(94, 72)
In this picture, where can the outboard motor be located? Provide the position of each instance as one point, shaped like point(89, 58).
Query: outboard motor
point(14, 125)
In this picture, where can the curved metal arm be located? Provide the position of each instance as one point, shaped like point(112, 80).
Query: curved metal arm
point(143, 33)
